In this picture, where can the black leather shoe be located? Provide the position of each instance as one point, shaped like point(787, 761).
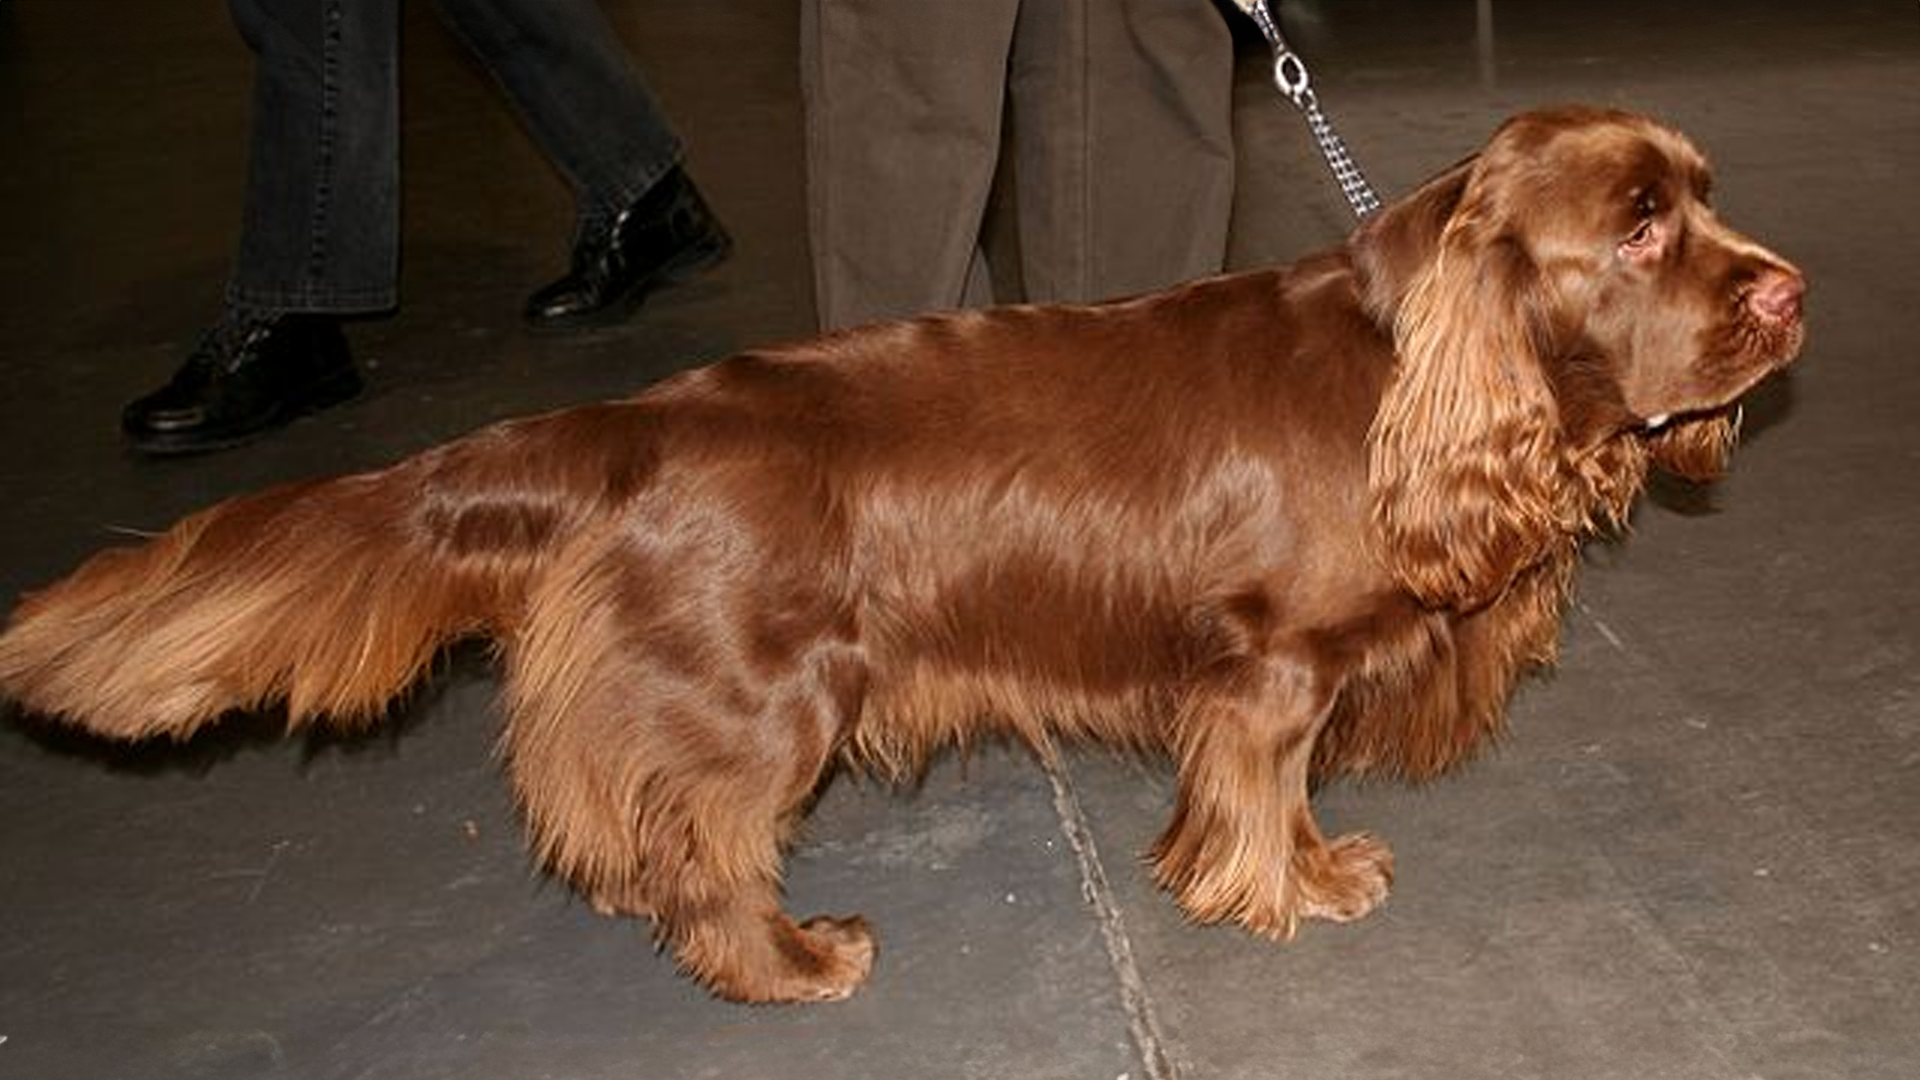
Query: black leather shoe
point(667, 236)
point(251, 372)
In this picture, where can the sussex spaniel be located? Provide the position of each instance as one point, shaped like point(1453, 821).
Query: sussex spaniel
point(1278, 525)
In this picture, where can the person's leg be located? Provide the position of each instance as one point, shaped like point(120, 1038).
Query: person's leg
point(1122, 116)
point(641, 222)
point(319, 231)
point(903, 102)
point(578, 92)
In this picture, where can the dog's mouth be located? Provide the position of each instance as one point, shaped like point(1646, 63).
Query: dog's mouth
point(1663, 422)
point(1767, 352)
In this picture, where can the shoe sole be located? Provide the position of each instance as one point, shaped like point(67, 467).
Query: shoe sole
point(678, 270)
point(324, 395)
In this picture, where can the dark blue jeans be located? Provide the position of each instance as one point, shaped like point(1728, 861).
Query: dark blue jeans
point(321, 231)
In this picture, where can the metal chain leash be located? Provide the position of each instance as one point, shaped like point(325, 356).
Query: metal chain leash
point(1290, 76)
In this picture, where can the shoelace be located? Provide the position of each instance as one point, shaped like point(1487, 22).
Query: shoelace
point(598, 238)
point(229, 338)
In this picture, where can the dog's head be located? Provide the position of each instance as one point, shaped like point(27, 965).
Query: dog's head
point(1565, 306)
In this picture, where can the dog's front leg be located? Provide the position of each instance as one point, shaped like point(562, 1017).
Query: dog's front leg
point(1243, 845)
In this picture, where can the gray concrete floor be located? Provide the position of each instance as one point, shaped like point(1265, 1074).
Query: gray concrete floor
point(1696, 856)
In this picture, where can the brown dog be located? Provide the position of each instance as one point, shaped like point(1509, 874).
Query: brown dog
point(1277, 525)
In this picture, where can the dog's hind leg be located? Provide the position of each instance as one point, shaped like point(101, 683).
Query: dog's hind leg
point(661, 755)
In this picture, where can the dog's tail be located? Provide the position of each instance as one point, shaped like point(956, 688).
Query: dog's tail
point(332, 596)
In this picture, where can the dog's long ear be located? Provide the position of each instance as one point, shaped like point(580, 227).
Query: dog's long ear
point(1393, 246)
point(1465, 465)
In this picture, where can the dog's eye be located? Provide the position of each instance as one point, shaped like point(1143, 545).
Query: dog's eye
point(1642, 237)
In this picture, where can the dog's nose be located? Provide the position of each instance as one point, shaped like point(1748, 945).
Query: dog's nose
point(1776, 297)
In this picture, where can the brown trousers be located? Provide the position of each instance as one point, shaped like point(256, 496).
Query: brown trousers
point(1117, 114)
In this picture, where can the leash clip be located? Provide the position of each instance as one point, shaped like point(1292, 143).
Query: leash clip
point(1290, 77)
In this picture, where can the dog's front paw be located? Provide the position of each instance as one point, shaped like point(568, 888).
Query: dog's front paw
point(847, 950)
point(1344, 879)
